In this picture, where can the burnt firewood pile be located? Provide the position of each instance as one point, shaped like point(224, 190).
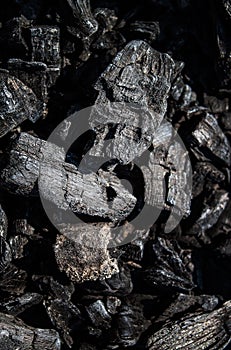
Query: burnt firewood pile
point(115, 210)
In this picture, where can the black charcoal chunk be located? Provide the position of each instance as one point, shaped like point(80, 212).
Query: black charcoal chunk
point(3, 223)
point(5, 254)
point(169, 272)
point(61, 183)
point(15, 334)
point(133, 94)
point(15, 306)
point(18, 103)
point(203, 331)
point(65, 317)
point(13, 280)
point(45, 45)
point(98, 314)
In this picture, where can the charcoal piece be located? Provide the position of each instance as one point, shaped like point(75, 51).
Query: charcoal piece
point(16, 334)
point(203, 173)
point(208, 141)
point(3, 223)
point(184, 303)
point(60, 182)
point(33, 74)
point(18, 103)
point(169, 272)
point(45, 45)
point(17, 244)
point(212, 209)
point(86, 23)
point(5, 254)
point(49, 286)
point(65, 316)
point(82, 253)
point(202, 331)
point(21, 227)
point(138, 82)
point(167, 176)
point(13, 280)
point(148, 31)
point(98, 314)
point(15, 306)
point(129, 325)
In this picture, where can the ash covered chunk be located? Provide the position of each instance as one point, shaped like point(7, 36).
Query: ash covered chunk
point(132, 100)
point(18, 103)
point(82, 252)
point(45, 45)
point(15, 334)
point(202, 332)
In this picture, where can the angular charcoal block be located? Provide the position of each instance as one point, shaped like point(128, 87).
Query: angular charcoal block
point(18, 103)
point(132, 98)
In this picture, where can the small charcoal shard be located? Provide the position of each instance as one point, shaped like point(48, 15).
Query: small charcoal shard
point(3, 223)
point(65, 317)
point(36, 75)
point(99, 315)
point(5, 254)
point(45, 45)
point(216, 105)
point(17, 335)
point(132, 101)
point(169, 272)
point(209, 142)
point(86, 23)
point(18, 103)
point(82, 252)
point(17, 244)
point(15, 306)
point(13, 280)
point(61, 183)
point(202, 332)
point(212, 209)
point(168, 174)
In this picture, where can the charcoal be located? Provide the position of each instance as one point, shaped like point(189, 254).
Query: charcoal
point(15, 334)
point(22, 180)
point(83, 254)
point(45, 45)
point(205, 331)
point(65, 316)
point(209, 142)
point(13, 280)
point(115, 131)
point(169, 271)
point(16, 306)
point(150, 97)
point(3, 223)
point(5, 254)
point(98, 314)
point(18, 103)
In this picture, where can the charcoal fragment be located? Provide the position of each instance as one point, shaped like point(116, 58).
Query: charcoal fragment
point(205, 331)
point(18, 103)
point(15, 334)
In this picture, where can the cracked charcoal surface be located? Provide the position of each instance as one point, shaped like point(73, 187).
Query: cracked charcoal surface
point(157, 74)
